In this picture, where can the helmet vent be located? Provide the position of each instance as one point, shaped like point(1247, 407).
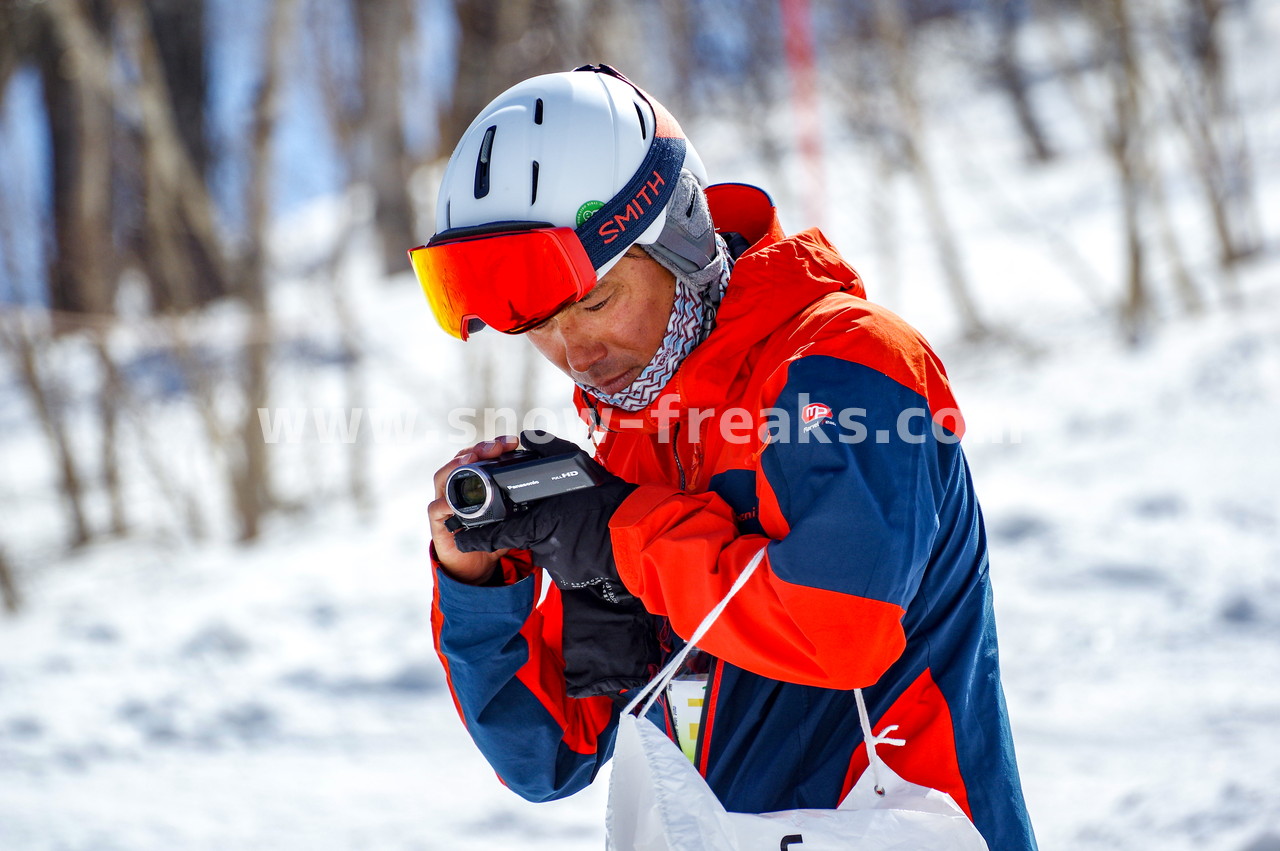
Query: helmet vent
point(482, 162)
point(644, 133)
point(537, 111)
point(533, 198)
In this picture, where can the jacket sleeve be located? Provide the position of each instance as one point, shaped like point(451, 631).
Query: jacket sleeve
point(501, 655)
point(855, 493)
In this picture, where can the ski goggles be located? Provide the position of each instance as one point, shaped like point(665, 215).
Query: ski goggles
point(513, 276)
point(510, 276)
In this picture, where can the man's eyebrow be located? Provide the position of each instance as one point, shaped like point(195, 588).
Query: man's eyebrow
point(599, 289)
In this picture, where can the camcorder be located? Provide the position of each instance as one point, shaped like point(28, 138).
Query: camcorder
point(489, 491)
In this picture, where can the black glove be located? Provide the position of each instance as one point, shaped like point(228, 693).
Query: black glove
point(567, 534)
point(608, 647)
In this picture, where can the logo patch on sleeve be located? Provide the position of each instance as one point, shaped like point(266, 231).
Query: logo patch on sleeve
point(815, 412)
point(812, 415)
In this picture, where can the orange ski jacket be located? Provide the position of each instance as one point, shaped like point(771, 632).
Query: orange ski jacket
point(821, 427)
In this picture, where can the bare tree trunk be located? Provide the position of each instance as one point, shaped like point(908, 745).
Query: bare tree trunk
point(179, 210)
point(945, 243)
point(77, 175)
point(45, 398)
point(1204, 33)
point(883, 209)
point(178, 205)
point(109, 398)
point(8, 587)
point(375, 126)
point(82, 268)
point(1126, 143)
point(381, 157)
point(178, 33)
point(80, 123)
point(679, 55)
point(1012, 77)
point(1211, 123)
point(354, 378)
point(893, 32)
point(857, 84)
point(499, 45)
point(1119, 122)
point(250, 473)
point(1135, 307)
point(251, 478)
point(176, 244)
point(186, 505)
point(17, 33)
point(1183, 284)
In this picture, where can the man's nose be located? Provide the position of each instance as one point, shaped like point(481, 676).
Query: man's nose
point(581, 351)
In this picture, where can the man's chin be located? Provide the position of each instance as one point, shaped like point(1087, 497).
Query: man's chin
point(614, 386)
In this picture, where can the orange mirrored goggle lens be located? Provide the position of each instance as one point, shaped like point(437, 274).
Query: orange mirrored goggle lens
point(510, 280)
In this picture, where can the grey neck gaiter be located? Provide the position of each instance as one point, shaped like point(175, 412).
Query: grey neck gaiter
point(693, 315)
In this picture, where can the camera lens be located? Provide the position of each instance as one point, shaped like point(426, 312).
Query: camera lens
point(468, 491)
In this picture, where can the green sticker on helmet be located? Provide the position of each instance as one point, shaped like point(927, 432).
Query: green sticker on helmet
point(587, 210)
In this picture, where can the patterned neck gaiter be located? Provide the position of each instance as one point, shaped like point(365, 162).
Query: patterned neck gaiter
point(692, 318)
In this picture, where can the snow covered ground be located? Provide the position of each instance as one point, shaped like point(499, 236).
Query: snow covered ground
point(160, 695)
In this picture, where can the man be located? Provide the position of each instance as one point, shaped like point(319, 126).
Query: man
point(745, 395)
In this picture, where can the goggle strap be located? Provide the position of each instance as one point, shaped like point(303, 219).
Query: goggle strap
point(637, 206)
point(488, 229)
point(644, 198)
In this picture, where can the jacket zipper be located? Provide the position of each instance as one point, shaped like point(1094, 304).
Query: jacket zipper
point(675, 451)
point(702, 744)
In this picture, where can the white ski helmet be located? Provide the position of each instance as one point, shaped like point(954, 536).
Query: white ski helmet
point(579, 146)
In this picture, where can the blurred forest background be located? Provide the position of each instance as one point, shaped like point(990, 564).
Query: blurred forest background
point(151, 148)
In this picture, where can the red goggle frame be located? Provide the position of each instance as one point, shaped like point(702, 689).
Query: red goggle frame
point(508, 275)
